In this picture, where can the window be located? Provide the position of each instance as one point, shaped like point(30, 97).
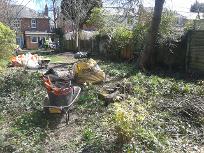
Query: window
point(33, 23)
point(34, 39)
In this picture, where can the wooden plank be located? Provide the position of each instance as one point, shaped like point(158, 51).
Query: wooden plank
point(197, 40)
point(200, 38)
point(192, 61)
point(197, 51)
point(197, 56)
point(197, 36)
point(196, 70)
point(201, 33)
point(197, 44)
point(197, 65)
point(197, 47)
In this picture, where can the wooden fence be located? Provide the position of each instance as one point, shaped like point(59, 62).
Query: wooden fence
point(93, 46)
point(195, 51)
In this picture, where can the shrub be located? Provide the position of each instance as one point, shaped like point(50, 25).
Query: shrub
point(7, 43)
point(121, 38)
point(126, 117)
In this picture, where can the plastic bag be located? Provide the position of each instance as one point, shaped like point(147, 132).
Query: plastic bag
point(28, 60)
point(88, 71)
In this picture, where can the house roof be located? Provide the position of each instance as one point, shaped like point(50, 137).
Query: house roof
point(21, 11)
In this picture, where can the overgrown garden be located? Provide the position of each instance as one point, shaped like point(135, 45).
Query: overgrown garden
point(163, 112)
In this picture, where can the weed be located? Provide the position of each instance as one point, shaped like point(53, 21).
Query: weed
point(117, 69)
point(124, 119)
point(29, 131)
point(88, 134)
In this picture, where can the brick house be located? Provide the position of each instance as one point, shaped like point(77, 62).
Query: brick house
point(32, 28)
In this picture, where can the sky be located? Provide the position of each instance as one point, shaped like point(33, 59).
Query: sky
point(181, 6)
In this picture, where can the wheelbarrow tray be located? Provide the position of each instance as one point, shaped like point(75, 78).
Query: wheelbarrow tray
point(61, 107)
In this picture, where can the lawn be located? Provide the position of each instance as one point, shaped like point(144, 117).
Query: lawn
point(164, 113)
point(56, 58)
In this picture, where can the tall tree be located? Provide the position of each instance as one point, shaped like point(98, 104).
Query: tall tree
point(54, 8)
point(5, 11)
point(78, 11)
point(148, 57)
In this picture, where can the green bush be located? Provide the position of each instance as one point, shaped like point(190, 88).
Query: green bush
point(121, 38)
point(125, 118)
point(7, 43)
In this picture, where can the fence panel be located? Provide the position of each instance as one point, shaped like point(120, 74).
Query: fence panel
point(195, 51)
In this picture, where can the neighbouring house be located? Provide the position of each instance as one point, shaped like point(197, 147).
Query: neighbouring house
point(32, 28)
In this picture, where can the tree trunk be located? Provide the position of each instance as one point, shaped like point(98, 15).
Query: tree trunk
point(147, 60)
point(77, 39)
point(54, 13)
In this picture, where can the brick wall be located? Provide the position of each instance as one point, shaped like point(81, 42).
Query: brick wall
point(29, 44)
point(42, 25)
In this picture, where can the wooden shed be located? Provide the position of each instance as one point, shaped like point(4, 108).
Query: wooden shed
point(195, 51)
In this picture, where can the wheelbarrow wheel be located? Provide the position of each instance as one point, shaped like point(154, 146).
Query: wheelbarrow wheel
point(46, 102)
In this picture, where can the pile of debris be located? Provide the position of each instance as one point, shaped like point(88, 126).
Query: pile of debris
point(88, 71)
point(118, 92)
point(29, 61)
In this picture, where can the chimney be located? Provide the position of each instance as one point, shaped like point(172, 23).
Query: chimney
point(46, 10)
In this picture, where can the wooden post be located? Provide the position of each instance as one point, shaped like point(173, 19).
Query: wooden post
point(187, 59)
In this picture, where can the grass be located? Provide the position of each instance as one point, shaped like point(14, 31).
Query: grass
point(162, 115)
point(48, 54)
point(57, 58)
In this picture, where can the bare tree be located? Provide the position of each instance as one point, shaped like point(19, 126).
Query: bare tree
point(78, 11)
point(54, 7)
point(5, 11)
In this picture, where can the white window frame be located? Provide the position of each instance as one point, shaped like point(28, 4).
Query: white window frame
point(34, 41)
point(33, 24)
